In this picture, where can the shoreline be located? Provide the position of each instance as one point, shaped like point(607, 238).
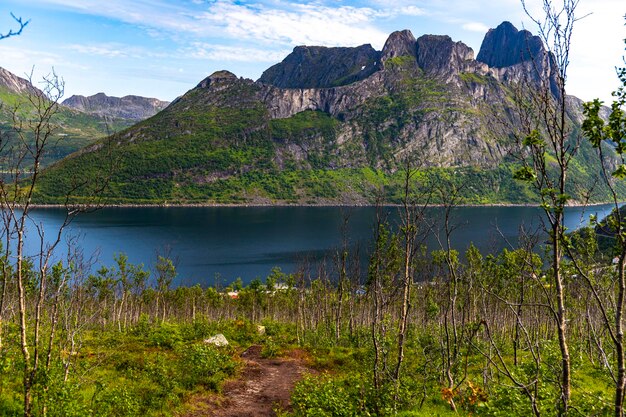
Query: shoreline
point(295, 205)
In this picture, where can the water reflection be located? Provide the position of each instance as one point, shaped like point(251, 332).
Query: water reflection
point(247, 242)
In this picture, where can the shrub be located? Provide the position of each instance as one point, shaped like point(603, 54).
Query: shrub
point(205, 365)
point(165, 335)
point(321, 396)
point(117, 402)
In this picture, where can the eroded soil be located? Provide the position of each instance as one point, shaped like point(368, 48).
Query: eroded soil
point(263, 386)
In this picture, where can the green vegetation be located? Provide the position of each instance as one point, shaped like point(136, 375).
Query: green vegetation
point(220, 145)
point(307, 123)
point(72, 130)
point(149, 370)
point(127, 345)
point(416, 333)
point(403, 61)
point(472, 77)
point(533, 330)
point(347, 185)
point(217, 154)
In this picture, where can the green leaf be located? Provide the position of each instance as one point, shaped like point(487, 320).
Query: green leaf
point(525, 174)
point(620, 172)
point(534, 139)
point(593, 125)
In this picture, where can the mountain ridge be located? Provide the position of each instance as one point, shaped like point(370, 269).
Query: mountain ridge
point(232, 139)
point(14, 83)
point(129, 107)
point(74, 126)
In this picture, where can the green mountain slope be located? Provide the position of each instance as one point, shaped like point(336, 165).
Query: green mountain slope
point(72, 129)
point(76, 124)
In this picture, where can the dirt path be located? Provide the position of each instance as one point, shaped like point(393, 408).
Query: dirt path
point(264, 385)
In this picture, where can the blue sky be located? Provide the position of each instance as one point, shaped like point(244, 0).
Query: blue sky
point(162, 48)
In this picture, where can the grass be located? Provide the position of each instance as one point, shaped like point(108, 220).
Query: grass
point(472, 77)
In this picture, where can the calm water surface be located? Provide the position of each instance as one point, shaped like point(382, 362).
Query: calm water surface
point(248, 242)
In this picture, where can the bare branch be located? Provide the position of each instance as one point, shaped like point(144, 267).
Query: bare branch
point(15, 32)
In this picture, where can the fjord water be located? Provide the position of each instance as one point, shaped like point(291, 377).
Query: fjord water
point(248, 242)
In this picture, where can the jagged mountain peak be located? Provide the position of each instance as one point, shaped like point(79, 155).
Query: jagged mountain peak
point(314, 121)
point(323, 67)
point(399, 43)
point(439, 54)
point(216, 78)
point(505, 46)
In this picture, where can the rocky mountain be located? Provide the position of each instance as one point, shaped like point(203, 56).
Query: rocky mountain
point(11, 83)
point(132, 108)
point(517, 54)
point(72, 129)
point(330, 125)
point(78, 122)
point(506, 46)
point(321, 67)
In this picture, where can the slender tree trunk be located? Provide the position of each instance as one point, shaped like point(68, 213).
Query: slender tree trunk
point(561, 318)
point(406, 298)
point(619, 336)
point(21, 293)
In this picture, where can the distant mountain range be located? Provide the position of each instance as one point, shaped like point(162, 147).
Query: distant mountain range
point(132, 108)
point(332, 126)
point(80, 120)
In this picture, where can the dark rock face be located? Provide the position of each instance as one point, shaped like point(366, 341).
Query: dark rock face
point(519, 55)
point(505, 46)
point(216, 78)
point(321, 67)
point(439, 55)
point(128, 107)
point(400, 43)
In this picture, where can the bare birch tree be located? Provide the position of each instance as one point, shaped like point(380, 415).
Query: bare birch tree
point(550, 147)
point(612, 307)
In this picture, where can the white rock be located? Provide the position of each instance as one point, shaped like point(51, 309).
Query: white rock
point(217, 340)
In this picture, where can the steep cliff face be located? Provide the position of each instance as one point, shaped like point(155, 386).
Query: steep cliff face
point(440, 56)
point(505, 46)
point(320, 122)
point(133, 108)
point(399, 44)
point(518, 56)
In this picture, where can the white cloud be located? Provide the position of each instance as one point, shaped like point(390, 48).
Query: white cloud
point(99, 50)
point(262, 29)
point(281, 21)
point(476, 27)
point(23, 59)
point(597, 47)
point(298, 24)
point(116, 50)
point(395, 9)
point(232, 53)
point(411, 11)
point(159, 14)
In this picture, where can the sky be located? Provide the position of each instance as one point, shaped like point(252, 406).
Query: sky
point(163, 48)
